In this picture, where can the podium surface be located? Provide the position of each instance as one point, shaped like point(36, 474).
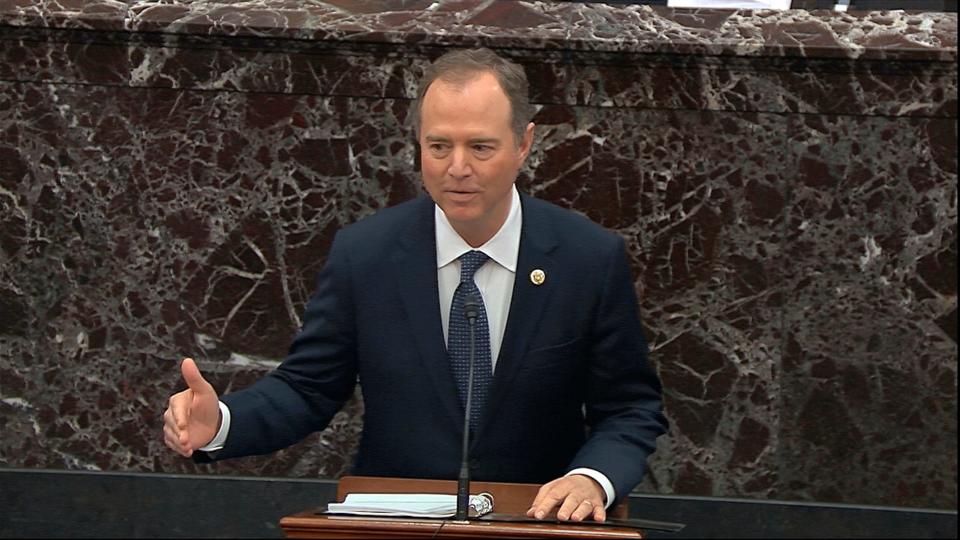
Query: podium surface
point(508, 498)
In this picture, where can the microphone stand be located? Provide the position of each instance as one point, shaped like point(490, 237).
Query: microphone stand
point(471, 309)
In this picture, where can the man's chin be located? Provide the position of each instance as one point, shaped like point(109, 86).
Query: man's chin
point(460, 208)
point(460, 214)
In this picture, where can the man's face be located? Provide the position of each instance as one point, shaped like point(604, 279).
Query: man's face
point(469, 155)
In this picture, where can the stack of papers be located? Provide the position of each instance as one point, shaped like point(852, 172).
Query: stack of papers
point(424, 505)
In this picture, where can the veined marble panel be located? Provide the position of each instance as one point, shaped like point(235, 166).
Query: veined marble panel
point(518, 24)
point(869, 372)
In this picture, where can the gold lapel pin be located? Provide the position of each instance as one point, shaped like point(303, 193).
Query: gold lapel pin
point(538, 276)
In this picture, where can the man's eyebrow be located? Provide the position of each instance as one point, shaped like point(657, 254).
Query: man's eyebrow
point(485, 140)
point(492, 141)
point(478, 140)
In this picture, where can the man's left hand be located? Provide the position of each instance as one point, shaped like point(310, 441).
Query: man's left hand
point(578, 498)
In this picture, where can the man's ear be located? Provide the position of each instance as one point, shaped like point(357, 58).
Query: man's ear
point(527, 143)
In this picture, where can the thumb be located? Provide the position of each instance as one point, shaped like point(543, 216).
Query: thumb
point(191, 374)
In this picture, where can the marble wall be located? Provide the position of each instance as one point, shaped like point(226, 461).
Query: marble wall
point(172, 173)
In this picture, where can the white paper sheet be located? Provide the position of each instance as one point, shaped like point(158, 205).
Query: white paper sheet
point(427, 505)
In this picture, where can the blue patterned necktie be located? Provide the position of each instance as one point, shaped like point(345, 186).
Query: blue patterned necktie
point(458, 339)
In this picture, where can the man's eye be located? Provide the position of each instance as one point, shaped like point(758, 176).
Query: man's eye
point(482, 148)
point(437, 148)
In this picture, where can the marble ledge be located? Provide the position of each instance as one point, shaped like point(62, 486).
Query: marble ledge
point(638, 29)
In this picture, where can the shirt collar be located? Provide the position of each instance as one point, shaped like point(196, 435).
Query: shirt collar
point(502, 248)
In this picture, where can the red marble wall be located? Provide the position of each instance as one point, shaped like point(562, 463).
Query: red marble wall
point(171, 177)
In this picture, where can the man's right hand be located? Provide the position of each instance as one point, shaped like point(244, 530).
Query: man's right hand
point(192, 417)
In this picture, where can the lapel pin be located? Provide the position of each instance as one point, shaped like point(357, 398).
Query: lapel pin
point(538, 276)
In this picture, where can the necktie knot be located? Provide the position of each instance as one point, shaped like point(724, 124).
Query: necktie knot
point(470, 262)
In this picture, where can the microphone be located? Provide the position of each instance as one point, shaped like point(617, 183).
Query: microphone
point(471, 307)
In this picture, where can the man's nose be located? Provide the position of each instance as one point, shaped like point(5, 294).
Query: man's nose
point(460, 165)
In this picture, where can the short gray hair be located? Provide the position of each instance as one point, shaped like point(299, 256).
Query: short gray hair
point(462, 65)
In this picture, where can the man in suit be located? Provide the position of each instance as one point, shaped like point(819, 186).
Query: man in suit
point(563, 392)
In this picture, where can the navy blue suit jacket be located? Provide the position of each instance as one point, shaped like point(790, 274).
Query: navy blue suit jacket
point(572, 386)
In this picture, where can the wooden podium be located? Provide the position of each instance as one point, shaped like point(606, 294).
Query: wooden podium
point(508, 499)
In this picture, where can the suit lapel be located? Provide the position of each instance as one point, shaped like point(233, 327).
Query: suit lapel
point(416, 264)
point(537, 240)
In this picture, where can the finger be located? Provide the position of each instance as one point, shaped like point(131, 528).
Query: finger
point(171, 428)
point(169, 419)
point(173, 442)
point(544, 507)
point(599, 513)
point(170, 444)
point(191, 374)
point(169, 424)
point(569, 505)
point(541, 493)
point(547, 499)
point(179, 408)
point(172, 439)
point(179, 417)
point(167, 439)
point(583, 510)
point(176, 437)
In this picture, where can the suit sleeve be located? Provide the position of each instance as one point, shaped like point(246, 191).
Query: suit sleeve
point(623, 396)
point(319, 374)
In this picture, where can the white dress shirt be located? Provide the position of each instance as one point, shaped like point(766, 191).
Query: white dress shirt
point(494, 278)
point(495, 281)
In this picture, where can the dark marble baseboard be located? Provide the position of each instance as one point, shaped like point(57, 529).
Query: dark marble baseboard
point(74, 504)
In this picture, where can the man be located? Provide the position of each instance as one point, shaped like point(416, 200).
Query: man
point(559, 346)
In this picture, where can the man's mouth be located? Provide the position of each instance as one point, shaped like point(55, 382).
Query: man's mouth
point(461, 195)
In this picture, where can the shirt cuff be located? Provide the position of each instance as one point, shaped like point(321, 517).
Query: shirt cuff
point(221, 437)
point(601, 479)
